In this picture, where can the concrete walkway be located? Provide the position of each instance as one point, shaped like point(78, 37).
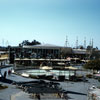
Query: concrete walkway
point(79, 87)
point(13, 93)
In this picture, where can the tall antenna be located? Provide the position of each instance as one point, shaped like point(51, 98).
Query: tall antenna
point(84, 42)
point(66, 42)
point(3, 42)
point(7, 43)
point(77, 42)
point(92, 43)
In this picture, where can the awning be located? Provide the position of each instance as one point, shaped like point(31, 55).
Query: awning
point(45, 67)
point(72, 68)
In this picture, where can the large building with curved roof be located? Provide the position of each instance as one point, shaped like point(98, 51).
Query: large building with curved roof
point(45, 51)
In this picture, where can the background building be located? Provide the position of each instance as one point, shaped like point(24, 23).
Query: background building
point(27, 54)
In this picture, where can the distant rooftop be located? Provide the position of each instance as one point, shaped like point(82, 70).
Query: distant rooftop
point(42, 45)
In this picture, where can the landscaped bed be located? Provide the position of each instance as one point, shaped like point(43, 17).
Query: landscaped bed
point(3, 87)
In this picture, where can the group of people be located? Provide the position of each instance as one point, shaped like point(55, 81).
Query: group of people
point(5, 73)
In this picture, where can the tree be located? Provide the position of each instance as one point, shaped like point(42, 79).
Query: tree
point(93, 64)
point(26, 42)
point(66, 52)
point(89, 47)
point(95, 54)
point(34, 42)
point(81, 47)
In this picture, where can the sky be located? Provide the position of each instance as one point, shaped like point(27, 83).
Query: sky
point(50, 21)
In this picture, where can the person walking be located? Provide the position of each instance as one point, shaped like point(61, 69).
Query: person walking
point(5, 74)
point(38, 96)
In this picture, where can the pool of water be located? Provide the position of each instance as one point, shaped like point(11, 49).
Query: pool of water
point(50, 72)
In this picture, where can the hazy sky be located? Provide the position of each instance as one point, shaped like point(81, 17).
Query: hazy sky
point(49, 21)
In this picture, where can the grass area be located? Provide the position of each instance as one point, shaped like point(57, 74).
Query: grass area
point(3, 87)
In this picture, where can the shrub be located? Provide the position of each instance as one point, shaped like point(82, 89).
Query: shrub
point(93, 64)
point(89, 75)
point(99, 79)
point(33, 76)
point(3, 87)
